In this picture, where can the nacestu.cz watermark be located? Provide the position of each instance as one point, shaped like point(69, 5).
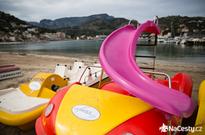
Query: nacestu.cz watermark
point(165, 128)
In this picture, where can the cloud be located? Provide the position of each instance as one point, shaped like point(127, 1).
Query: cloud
point(132, 9)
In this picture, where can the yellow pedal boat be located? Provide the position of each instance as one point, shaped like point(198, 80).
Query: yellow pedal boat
point(21, 106)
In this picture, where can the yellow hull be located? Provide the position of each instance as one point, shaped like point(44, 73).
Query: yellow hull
point(201, 111)
point(20, 119)
point(46, 81)
point(200, 120)
point(88, 110)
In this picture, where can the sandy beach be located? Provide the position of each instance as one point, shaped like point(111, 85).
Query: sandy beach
point(31, 64)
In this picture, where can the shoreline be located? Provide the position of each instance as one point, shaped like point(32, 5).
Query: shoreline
point(30, 42)
point(44, 41)
point(40, 41)
point(21, 42)
point(31, 64)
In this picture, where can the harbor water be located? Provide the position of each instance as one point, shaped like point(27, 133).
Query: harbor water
point(74, 48)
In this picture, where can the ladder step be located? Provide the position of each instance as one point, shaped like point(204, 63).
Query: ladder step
point(146, 45)
point(145, 56)
point(147, 68)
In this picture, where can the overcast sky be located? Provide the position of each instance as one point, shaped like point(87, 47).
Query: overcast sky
point(35, 10)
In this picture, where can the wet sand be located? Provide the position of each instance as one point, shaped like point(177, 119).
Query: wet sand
point(31, 64)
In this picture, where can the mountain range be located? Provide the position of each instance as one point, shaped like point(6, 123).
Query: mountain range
point(180, 25)
point(104, 24)
point(14, 29)
point(99, 24)
point(71, 21)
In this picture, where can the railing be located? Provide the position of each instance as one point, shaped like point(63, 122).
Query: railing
point(90, 75)
point(88, 68)
point(163, 74)
point(101, 76)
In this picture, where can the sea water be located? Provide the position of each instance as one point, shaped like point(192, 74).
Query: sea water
point(75, 48)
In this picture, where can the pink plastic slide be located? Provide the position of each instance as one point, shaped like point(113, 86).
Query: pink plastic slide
point(117, 59)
